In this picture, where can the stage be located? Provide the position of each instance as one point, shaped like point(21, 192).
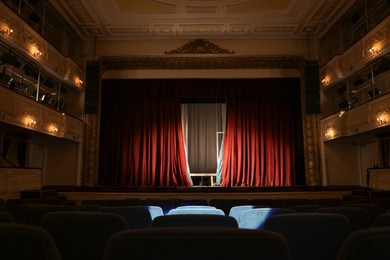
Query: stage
point(77, 193)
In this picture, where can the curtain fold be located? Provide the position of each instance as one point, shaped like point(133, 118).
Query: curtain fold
point(262, 141)
point(142, 143)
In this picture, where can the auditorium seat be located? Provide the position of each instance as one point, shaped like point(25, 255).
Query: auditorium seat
point(236, 211)
point(370, 243)
point(305, 208)
point(34, 213)
point(310, 236)
point(193, 202)
point(26, 242)
point(287, 202)
point(207, 243)
point(155, 211)
point(124, 202)
point(330, 202)
point(383, 202)
point(82, 235)
point(383, 220)
point(255, 218)
point(5, 217)
point(197, 220)
point(89, 207)
point(373, 209)
point(95, 202)
point(196, 210)
point(136, 216)
point(359, 218)
point(165, 204)
point(227, 204)
point(20, 211)
point(268, 203)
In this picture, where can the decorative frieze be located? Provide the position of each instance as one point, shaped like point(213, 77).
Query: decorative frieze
point(15, 180)
point(200, 46)
point(201, 62)
point(373, 45)
point(366, 117)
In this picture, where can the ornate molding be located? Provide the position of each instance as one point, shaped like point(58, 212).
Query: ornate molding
point(215, 62)
point(200, 46)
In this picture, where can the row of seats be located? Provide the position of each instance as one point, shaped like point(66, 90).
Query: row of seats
point(176, 217)
point(92, 235)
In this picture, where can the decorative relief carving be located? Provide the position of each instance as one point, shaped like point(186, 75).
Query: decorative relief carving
point(142, 29)
point(56, 62)
point(23, 108)
point(73, 129)
point(175, 62)
point(331, 128)
point(14, 180)
point(273, 29)
point(3, 182)
point(380, 109)
point(200, 46)
point(6, 102)
point(312, 152)
point(324, 12)
point(80, 11)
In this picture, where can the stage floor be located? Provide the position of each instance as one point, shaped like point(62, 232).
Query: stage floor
point(308, 192)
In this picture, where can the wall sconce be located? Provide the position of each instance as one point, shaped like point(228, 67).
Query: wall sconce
point(30, 122)
point(375, 49)
point(5, 30)
point(78, 82)
point(35, 52)
point(325, 81)
point(382, 118)
point(330, 132)
point(53, 129)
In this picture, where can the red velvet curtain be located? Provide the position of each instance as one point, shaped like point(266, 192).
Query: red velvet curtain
point(141, 142)
point(260, 143)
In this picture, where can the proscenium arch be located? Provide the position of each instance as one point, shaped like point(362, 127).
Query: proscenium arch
point(210, 66)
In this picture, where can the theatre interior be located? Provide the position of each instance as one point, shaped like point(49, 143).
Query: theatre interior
point(217, 113)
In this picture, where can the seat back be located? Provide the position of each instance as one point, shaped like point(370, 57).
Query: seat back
point(194, 220)
point(383, 220)
point(255, 218)
point(26, 242)
point(236, 211)
point(82, 235)
point(196, 210)
point(207, 243)
point(5, 217)
point(358, 217)
point(370, 243)
point(136, 216)
point(165, 204)
point(305, 208)
point(34, 213)
point(311, 235)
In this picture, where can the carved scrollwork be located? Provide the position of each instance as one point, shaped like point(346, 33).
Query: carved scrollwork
point(200, 46)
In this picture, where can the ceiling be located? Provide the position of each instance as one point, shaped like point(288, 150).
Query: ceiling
point(231, 19)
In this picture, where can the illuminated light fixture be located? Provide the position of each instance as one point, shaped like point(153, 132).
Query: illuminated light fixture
point(375, 48)
point(325, 81)
point(30, 122)
point(330, 132)
point(35, 52)
point(383, 117)
point(342, 112)
point(78, 81)
point(5, 30)
point(53, 129)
